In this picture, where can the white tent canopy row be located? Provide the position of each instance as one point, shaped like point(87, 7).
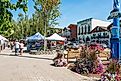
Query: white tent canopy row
point(56, 37)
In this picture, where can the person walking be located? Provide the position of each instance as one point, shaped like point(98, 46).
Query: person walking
point(21, 47)
point(11, 45)
point(16, 47)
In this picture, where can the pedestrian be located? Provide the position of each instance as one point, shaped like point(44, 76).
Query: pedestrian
point(21, 45)
point(16, 47)
point(65, 46)
point(11, 45)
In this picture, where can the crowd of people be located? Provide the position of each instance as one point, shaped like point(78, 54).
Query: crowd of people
point(17, 46)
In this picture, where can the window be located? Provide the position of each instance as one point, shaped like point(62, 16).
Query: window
point(104, 34)
point(79, 31)
point(94, 35)
point(85, 29)
point(82, 29)
point(97, 29)
point(88, 28)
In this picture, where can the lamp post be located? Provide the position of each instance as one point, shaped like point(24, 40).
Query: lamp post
point(115, 31)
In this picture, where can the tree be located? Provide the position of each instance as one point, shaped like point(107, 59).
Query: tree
point(38, 22)
point(6, 27)
point(21, 24)
point(16, 29)
point(48, 11)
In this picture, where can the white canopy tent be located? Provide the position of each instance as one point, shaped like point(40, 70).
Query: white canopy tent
point(3, 38)
point(56, 37)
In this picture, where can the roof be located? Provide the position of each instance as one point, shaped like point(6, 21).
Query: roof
point(101, 28)
point(84, 20)
point(105, 28)
point(55, 37)
point(72, 25)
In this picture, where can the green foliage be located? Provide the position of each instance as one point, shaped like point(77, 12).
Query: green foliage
point(6, 26)
point(48, 12)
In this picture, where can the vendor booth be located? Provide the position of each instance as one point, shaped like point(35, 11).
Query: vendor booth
point(35, 42)
point(3, 42)
point(55, 40)
point(37, 36)
point(3, 38)
point(55, 37)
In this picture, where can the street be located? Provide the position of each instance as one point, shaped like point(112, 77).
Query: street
point(31, 68)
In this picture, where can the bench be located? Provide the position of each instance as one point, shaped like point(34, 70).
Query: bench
point(72, 54)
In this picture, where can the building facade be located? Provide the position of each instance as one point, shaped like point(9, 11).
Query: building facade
point(100, 35)
point(84, 28)
point(73, 32)
point(70, 32)
point(66, 33)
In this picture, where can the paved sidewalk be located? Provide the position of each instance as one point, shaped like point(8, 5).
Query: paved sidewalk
point(34, 68)
point(9, 52)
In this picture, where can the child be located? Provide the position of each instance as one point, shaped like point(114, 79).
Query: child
point(59, 60)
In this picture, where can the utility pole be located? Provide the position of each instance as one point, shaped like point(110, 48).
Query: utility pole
point(45, 28)
point(45, 25)
point(115, 41)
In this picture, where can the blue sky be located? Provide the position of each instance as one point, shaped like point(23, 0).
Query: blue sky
point(73, 11)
